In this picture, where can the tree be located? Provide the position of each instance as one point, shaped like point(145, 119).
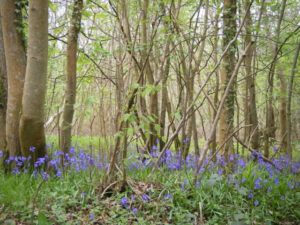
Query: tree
point(32, 119)
point(70, 91)
point(227, 68)
point(252, 131)
point(14, 46)
point(3, 92)
point(270, 117)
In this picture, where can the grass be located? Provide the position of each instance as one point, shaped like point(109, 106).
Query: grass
point(250, 193)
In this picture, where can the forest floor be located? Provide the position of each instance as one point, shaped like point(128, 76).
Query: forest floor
point(250, 192)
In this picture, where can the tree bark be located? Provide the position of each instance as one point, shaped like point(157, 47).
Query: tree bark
point(252, 131)
point(282, 110)
point(289, 102)
point(32, 118)
point(70, 91)
point(16, 65)
point(229, 61)
point(270, 118)
point(3, 92)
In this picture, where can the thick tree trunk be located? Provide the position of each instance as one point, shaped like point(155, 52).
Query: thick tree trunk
point(16, 66)
point(3, 92)
point(229, 61)
point(70, 91)
point(32, 118)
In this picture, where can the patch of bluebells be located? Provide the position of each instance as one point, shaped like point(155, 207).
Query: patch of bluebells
point(54, 165)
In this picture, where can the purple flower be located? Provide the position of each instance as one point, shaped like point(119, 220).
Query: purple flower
point(243, 180)
point(72, 150)
point(16, 171)
point(32, 149)
point(58, 173)
point(257, 184)
point(92, 216)
point(132, 198)
point(39, 162)
point(256, 203)
point(124, 202)
point(241, 163)
point(145, 198)
point(134, 210)
point(45, 176)
point(220, 172)
point(1, 154)
point(168, 196)
point(250, 195)
point(276, 181)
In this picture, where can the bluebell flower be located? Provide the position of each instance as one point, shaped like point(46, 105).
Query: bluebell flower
point(58, 153)
point(92, 216)
point(243, 180)
point(39, 162)
point(1, 154)
point(220, 172)
point(32, 149)
point(132, 198)
point(72, 150)
point(256, 203)
point(282, 197)
point(241, 163)
point(168, 196)
point(58, 173)
point(186, 140)
point(16, 171)
point(45, 175)
point(124, 202)
point(250, 195)
point(135, 211)
point(145, 198)
point(257, 184)
point(276, 181)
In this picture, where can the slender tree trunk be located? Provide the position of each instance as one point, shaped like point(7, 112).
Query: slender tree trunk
point(250, 109)
point(289, 102)
point(70, 91)
point(216, 94)
point(32, 118)
point(282, 110)
point(270, 128)
point(3, 92)
point(153, 106)
point(227, 115)
point(16, 64)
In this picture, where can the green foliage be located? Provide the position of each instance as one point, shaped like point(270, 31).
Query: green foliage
point(173, 199)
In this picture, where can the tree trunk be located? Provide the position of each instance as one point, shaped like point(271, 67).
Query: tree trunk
point(70, 91)
point(270, 120)
point(252, 131)
point(153, 106)
point(282, 110)
point(3, 92)
point(32, 118)
point(289, 102)
point(16, 66)
point(229, 61)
